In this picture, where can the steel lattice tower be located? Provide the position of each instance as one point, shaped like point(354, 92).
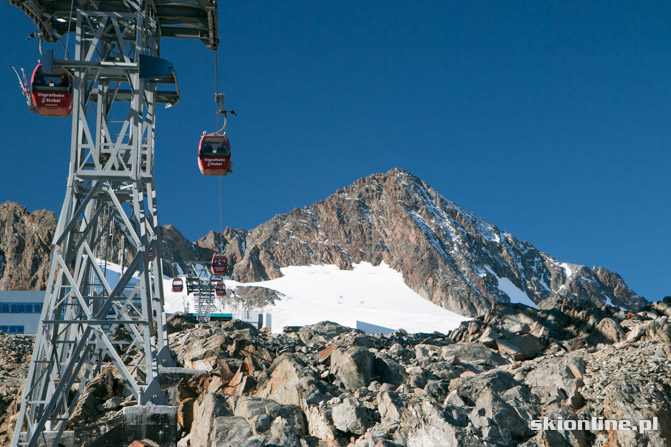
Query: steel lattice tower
point(119, 80)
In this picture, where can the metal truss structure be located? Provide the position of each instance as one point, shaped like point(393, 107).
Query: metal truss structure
point(201, 283)
point(119, 80)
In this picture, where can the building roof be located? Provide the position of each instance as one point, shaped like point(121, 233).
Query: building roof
point(22, 296)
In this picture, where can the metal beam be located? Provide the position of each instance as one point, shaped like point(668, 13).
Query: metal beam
point(55, 18)
point(110, 184)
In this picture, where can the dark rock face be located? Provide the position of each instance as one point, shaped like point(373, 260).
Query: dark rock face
point(446, 254)
point(25, 244)
point(26, 238)
point(175, 249)
point(328, 385)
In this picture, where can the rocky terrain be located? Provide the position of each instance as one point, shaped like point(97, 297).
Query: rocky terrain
point(480, 385)
point(445, 253)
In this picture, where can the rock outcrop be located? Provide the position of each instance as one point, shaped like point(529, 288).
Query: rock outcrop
point(25, 244)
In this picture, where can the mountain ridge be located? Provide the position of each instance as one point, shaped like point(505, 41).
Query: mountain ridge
point(446, 253)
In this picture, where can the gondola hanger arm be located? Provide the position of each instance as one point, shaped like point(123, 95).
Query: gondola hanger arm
point(219, 99)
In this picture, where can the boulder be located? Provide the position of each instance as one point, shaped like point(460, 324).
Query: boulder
point(634, 398)
point(320, 424)
point(349, 416)
point(180, 321)
point(519, 347)
point(390, 407)
point(498, 421)
point(387, 370)
point(97, 392)
point(426, 424)
point(354, 366)
point(206, 410)
point(293, 382)
point(231, 431)
point(261, 413)
point(470, 387)
point(607, 331)
point(321, 333)
point(472, 356)
point(202, 352)
point(557, 379)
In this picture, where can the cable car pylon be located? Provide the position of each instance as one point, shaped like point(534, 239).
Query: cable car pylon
point(116, 72)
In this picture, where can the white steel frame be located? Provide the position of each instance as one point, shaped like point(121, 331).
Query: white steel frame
point(110, 185)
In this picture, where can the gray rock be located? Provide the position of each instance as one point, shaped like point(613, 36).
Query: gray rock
point(321, 333)
point(293, 382)
point(354, 367)
point(349, 416)
point(261, 413)
point(498, 421)
point(180, 321)
point(437, 389)
point(387, 370)
point(473, 356)
point(520, 347)
point(204, 354)
point(254, 297)
point(205, 411)
point(426, 424)
point(607, 331)
point(231, 431)
point(97, 392)
point(470, 387)
point(634, 398)
point(390, 407)
point(320, 424)
point(553, 379)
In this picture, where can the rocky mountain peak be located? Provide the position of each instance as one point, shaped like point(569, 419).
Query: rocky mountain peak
point(446, 254)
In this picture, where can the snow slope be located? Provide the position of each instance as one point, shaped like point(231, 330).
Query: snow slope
point(372, 294)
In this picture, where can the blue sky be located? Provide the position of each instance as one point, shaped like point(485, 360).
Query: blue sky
point(549, 119)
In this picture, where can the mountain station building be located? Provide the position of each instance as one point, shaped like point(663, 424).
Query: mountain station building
point(20, 311)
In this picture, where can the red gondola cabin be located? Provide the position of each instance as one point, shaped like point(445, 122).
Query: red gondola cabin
point(177, 285)
point(219, 265)
point(214, 155)
point(220, 289)
point(52, 92)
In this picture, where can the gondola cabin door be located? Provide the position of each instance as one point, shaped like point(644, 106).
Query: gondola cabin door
point(52, 92)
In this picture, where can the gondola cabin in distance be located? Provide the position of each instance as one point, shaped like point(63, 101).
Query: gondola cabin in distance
point(214, 155)
point(177, 285)
point(220, 289)
point(219, 265)
point(51, 92)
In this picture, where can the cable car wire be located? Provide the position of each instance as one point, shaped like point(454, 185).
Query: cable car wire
point(67, 34)
point(216, 103)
